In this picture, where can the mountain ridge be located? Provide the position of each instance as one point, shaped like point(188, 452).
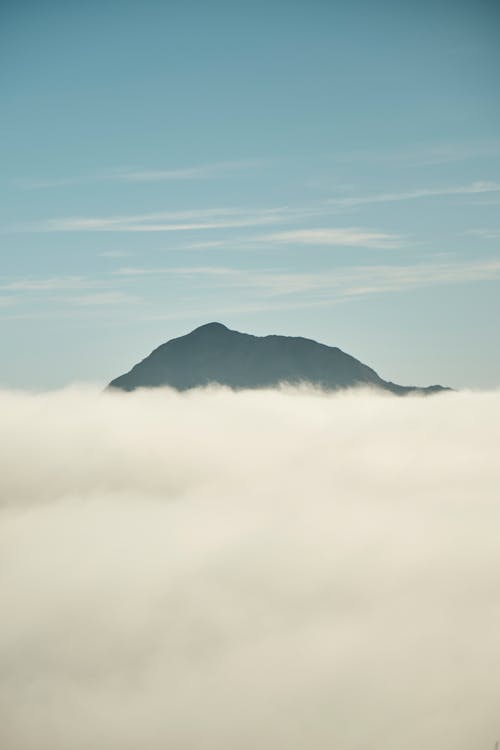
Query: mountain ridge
point(215, 354)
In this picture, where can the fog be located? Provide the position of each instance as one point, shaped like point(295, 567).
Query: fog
point(249, 571)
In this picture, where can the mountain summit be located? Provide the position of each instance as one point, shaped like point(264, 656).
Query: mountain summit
point(213, 353)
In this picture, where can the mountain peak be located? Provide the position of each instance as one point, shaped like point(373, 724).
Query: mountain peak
point(215, 354)
point(210, 328)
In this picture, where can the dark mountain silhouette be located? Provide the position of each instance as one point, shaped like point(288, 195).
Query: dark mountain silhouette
point(215, 354)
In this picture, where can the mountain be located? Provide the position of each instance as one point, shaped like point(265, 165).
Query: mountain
point(213, 353)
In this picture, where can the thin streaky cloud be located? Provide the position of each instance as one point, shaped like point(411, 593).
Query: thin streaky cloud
point(101, 299)
point(398, 278)
point(199, 172)
point(202, 172)
point(270, 289)
point(50, 284)
point(173, 221)
point(208, 245)
point(274, 291)
point(450, 153)
point(183, 270)
point(425, 156)
point(75, 223)
point(191, 227)
point(493, 200)
point(345, 282)
point(115, 254)
point(374, 279)
point(485, 234)
point(7, 301)
point(475, 188)
point(345, 236)
point(252, 307)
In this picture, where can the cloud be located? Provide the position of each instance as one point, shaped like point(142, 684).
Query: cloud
point(116, 254)
point(376, 279)
point(350, 236)
point(6, 301)
point(392, 278)
point(199, 172)
point(88, 292)
point(50, 284)
point(103, 299)
point(342, 282)
point(266, 569)
point(240, 290)
point(476, 188)
point(485, 234)
point(430, 155)
point(167, 221)
point(179, 271)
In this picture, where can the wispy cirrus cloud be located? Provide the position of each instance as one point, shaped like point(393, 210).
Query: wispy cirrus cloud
point(170, 221)
point(100, 299)
point(7, 301)
point(178, 271)
point(115, 254)
point(393, 278)
point(485, 234)
point(50, 284)
point(198, 172)
point(66, 291)
point(343, 282)
point(358, 281)
point(475, 188)
point(245, 290)
point(341, 236)
point(430, 155)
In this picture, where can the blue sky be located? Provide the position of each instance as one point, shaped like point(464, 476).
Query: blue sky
point(324, 169)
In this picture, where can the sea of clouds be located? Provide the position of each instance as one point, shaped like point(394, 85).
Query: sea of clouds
point(280, 570)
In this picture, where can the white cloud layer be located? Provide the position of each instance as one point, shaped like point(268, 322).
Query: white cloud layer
point(255, 570)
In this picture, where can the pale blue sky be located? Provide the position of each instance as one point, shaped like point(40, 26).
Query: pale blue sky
point(324, 169)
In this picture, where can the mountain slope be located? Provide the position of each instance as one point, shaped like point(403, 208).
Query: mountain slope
point(213, 353)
